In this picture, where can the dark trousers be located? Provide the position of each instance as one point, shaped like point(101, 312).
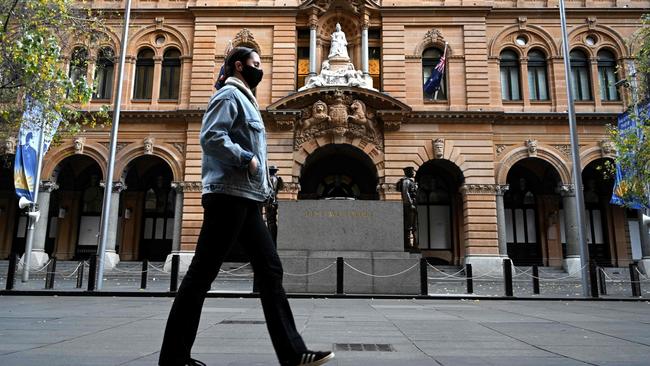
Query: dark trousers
point(227, 220)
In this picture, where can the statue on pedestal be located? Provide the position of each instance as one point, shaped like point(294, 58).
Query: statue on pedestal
point(339, 46)
point(272, 204)
point(408, 187)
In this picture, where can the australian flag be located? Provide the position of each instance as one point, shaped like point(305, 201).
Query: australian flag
point(433, 82)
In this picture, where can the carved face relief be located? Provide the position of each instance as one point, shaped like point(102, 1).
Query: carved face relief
point(607, 147)
point(148, 145)
point(79, 143)
point(319, 108)
point(439, 148)
point(532, 147)
point(10, 145)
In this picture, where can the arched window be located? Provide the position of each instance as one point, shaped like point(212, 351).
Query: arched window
point(537, 81)
point(430, 58)
point(510, 86)
point(78, 64)
point(580, 74)
point(104, 74)
point(143, 75)
point(607, 75)
point(171, 74)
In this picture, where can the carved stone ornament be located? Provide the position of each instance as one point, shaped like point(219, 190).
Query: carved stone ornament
point(338, 115)
point(180, 146)
point(564, 149)
point(9, 147)
point(532, 147)
point(187, 186)
point(433, 36)
point(290, 187)
point(148, 145)
point(438, 148)
point(500, 148)
point(607, 147)
point(79, 143)
point(566, 190)
point(245, 38)
point(501, 189)
point(480, 188)
point(522, 21)
point(48, 186)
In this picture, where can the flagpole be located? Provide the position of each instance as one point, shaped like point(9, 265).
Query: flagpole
point(108, 187)
point(29, 243)
point(575, 156)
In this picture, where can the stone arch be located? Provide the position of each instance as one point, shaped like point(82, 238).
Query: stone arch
point(608, 38)
point(307, 148)
point(135, 150)
point(546, 153)
point(537, 38)
point(56, 155)
point(433, 38)
point(592, 154)
point(147, 35)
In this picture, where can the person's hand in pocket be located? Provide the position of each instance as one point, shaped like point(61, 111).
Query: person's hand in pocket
point(252, 166)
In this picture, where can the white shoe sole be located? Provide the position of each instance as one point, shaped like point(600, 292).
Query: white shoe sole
point(322, 361)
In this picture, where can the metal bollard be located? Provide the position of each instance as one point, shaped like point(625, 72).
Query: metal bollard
point(507, 276)
point(535, 280)
point(602, 280)
point(49, 276)
point(593, 279)
point(11, 271)
point(92, 273)
point(80, 274)
point(634, 280)
point(173, 282)
point(470, 278)
point(145, 272)
point(339, 275)
point(424, 281)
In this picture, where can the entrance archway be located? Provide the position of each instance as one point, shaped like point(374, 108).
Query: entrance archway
point(531, 199)
point(148, 210)
point(75, 208)
point(8, 209)
point(338, 171)
point(439, 210)
point(597, 194)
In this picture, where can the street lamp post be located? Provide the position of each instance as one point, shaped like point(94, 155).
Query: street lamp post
point(108, 190)
point(575, 156)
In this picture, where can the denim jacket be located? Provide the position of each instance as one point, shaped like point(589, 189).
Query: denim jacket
point(231, 134)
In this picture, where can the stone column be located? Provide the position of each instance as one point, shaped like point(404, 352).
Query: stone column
point(644, 237)
point(501, 220)
point(481, 229)
point(185, 256)
point(313, 25)
point(571, 262)
point(39, 257)
point(364, 49)
point(111, 258)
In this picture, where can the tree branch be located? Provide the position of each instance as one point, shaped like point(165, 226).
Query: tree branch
point(11, 10)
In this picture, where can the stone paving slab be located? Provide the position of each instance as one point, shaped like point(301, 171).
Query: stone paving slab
point(71, 331)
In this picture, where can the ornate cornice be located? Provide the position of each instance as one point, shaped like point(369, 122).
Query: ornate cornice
point(187, 186)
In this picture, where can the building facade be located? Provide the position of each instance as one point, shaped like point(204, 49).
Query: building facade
point(491, 147)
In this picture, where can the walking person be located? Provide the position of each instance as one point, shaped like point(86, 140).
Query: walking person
point(235, 184)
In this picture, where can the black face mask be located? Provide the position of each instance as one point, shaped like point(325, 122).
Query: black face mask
point(252, 76)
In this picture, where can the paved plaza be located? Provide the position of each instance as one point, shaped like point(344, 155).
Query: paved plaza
point(68, 331)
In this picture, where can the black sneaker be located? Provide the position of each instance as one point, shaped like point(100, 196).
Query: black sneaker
point(193, 362)
point(315, 358)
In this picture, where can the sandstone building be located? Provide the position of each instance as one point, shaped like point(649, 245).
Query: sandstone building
point(491, 149)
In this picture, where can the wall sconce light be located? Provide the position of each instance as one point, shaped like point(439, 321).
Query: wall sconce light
point(127, 213)
point(62, 212)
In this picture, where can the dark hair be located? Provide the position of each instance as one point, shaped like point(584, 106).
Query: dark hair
point(228, 69)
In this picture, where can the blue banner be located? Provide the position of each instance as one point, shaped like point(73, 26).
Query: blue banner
point(26, 160)
point(628, 179)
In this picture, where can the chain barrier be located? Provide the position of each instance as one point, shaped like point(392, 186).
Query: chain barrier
point(159, 269)
point(458, 278)
point(642, 277)
point(40, 270)
point(311, 273)
point(608, 278)
point(563, 278)
point(453, 275)
point(381, 276)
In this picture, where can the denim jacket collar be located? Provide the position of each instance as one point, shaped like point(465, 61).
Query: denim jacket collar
point(234, 81)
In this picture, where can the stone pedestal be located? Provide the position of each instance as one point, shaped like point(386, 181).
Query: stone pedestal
point(486, 264)
point(38, 259)
point(184, 263)
point(367, 234)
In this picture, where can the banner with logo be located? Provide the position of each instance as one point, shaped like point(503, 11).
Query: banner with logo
point(34, 123)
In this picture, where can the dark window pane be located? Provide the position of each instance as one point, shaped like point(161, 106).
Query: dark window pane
point(143, 75)
point(510, 78)
point(104, 74)
point(171, 74)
